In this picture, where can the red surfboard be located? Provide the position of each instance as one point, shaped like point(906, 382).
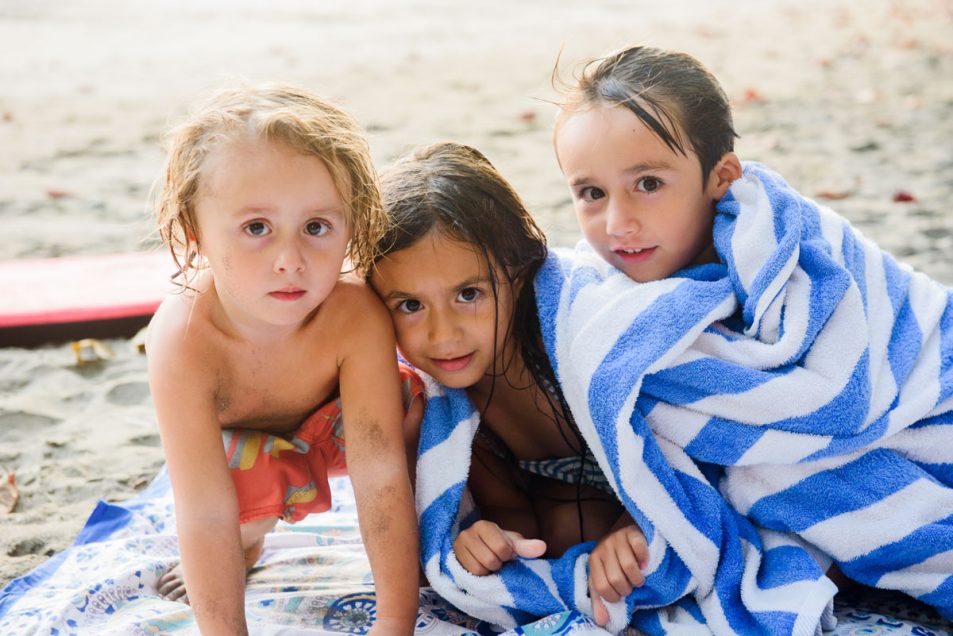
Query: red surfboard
point(72, 297)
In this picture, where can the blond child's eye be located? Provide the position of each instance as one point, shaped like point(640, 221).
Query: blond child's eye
point(591, 193)
point(316, 228)
point(409, 306)
point(649, 184)
point(256, 228)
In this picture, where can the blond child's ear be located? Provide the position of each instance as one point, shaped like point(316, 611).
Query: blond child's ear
point(725, 172)
point(191, 235)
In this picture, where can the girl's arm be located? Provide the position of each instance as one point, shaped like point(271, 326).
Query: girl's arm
point(206, 506)
point(376, 460)
point(508, 526)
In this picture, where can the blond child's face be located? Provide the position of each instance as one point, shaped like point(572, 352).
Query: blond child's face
point(273, 229)
point(639, 204)
point(446, 318)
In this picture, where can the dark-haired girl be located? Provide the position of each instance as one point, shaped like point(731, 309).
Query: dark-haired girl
point(456, 272)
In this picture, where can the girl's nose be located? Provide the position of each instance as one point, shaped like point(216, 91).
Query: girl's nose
point(621, 219)
point(442, 327)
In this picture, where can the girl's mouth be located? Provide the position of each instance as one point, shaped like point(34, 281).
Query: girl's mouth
point(453, 364)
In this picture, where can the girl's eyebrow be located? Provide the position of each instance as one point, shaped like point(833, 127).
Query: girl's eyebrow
point(473, 280)
point(469, 282)
point(394, 295)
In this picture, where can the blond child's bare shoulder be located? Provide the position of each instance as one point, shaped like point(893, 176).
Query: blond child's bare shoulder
point(177, 339)
point(355, 313)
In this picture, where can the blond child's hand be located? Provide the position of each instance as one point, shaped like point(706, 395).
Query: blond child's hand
point(484, 547)
point(615, 568)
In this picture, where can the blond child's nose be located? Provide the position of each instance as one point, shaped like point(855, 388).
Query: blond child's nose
point(289, 259)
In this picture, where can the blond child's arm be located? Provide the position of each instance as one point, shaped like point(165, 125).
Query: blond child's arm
point(206, 506)
point(376, 460)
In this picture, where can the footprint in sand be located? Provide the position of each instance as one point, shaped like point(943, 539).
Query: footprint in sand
point(24, 547)
point(128, 393)
point(19, 420)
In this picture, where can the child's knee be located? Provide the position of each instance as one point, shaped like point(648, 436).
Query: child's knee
point(253, 531)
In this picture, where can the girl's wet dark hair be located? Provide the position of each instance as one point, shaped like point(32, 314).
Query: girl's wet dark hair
point(670, 92)
point(454, 189)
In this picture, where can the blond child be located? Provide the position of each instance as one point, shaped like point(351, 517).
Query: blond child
point(267, 191)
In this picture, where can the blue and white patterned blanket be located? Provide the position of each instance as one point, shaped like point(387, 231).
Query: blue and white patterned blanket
point(313, 578)
point(810, 363)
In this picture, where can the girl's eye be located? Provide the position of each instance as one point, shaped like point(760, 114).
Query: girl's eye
point(256, 228)
point(648, 184)
point(591, 193)
point(409, 306)
point(316, 228)
point(469, 294)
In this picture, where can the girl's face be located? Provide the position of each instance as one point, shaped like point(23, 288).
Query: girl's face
point(640, 205)
point(440, 297)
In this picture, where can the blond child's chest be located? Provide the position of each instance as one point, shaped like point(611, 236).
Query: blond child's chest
point(273, 389)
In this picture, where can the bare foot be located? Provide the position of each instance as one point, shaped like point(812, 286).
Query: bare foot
point(172, 585)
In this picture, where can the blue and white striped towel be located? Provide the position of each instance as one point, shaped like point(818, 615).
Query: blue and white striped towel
point(719, 575)
point(809, 362)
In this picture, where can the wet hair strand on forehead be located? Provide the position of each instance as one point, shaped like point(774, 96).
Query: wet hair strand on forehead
point(672, 93)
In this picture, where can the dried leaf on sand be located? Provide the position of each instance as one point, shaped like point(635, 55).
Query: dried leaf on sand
point(9, 493)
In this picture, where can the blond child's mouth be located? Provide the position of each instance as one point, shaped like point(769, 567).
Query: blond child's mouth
point(287, 295)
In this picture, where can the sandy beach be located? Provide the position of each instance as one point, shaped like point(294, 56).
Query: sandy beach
point(851, 101)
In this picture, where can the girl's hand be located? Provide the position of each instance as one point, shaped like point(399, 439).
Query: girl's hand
point(615, 568)
point(484, 547)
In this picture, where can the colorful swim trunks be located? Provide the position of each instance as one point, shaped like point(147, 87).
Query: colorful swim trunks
point(287, 477)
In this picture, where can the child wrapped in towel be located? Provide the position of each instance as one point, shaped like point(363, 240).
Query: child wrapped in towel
point(504, 475)
point(717, 309)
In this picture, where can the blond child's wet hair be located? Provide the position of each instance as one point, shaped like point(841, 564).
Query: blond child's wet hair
point(306, 123)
